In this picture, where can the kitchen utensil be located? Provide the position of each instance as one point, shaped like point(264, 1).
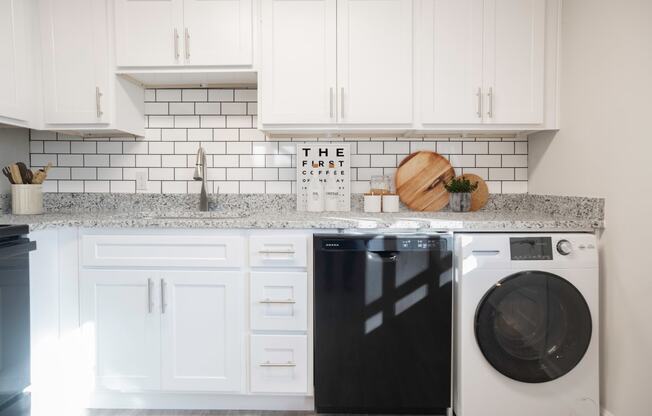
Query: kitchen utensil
point(420, 180)
point(41, 175)
point(7, 172)
point(25, 174)
point(480, 196)
point(15, 174)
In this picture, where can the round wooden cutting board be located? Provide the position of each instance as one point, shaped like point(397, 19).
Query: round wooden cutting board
point(420, 180)
point(480, 196)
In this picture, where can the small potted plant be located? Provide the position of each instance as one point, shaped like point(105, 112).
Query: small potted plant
point(460, 190)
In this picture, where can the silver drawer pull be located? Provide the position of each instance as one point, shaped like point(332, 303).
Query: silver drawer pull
point(269, 364)
point(277, 252)
point(280, 302)
point(486, 252)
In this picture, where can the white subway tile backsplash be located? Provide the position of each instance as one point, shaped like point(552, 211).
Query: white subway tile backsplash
point(83, 173)
point(501, 148)
point(148, 161)
point(161, 121)
point(240, 158)
point(57, 147)
point(168, 95)
point(246, 95)
point(109, 147)
point(183, 122)
point(207, 108)
point(70, 160)
point(515, 161)
point(194, 95)
point(83, 147)
point(212, 122)
point(234, 109)
point(123, 161)
point(220, 95)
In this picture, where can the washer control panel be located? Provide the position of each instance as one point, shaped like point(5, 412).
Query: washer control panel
point(530, 248)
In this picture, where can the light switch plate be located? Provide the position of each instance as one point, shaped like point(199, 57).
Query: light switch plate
point(141, 180)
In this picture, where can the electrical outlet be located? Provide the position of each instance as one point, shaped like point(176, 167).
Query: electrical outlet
point(141, 180)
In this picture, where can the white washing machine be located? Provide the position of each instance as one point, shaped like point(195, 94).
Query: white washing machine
point(526, 325)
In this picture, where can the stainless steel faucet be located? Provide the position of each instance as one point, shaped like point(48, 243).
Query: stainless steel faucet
point(200, 175)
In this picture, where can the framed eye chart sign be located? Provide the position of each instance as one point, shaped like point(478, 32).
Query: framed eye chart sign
point(320, 162)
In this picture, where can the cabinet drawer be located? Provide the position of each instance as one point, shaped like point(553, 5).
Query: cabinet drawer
point(279, 364)
point(162, 250)
point(279, 301)
point(278, 250)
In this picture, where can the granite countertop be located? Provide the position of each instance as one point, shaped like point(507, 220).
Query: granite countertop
point(512, 213)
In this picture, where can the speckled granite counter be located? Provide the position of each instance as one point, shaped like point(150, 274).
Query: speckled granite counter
point(503, 213)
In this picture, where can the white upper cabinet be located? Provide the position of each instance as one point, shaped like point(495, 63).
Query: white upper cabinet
point(218, 32)
point(75, 58)
point(202, 336)
point(374, 61)
point(330, 63)
point(450, 61)
point(514, 61)
point(162, 33)
point(482, 62)
point(298, 80)
point(14, 62)
point(149, 32)
point(81, 94)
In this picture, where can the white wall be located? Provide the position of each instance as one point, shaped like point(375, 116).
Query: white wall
point(603, 149)
point(14, 147)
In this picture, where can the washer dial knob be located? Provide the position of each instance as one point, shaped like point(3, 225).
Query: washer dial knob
point(564, 247)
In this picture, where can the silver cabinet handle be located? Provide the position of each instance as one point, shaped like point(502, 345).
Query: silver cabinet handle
point(479, 95)
point(163, 304)
point(490, 95)
point(149, 295)
point(342, 102)
point(270, 364)
point(278, 302)
point(176, 44)
point(331, 101)
point(98, 102)
point(187, 44)
point(276, 251)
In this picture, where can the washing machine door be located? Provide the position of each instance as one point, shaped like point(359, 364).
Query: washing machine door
point(533, 326)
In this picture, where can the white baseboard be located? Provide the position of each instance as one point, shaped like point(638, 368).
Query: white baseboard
point(605, 412)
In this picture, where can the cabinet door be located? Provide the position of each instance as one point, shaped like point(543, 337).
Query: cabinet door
point(120, 316)
point(450, 37)
point(374, 61)
point(202, 337)
point(514, 60)
point(218, 32)
point(75, 61)
point(149, 32)
point(13, 64)
point(298, 78)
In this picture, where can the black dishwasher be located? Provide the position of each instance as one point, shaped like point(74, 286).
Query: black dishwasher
point(382, 323)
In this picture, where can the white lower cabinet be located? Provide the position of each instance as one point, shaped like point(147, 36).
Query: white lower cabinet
point(119, 316)
point(279, 363)
point(167, 331)
point(279, 301)
point(201, 328)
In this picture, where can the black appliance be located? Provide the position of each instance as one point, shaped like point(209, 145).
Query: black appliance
point(383, 306)
point(14, 320)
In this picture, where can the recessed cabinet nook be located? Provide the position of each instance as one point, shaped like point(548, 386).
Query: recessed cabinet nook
point(398, 67)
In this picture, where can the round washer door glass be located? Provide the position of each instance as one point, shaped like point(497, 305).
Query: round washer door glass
point(533, 326)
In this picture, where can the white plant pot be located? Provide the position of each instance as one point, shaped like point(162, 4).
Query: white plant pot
point(26, 199)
